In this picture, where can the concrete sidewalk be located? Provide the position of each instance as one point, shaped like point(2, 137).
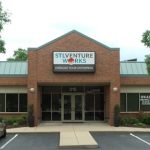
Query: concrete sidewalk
point(71, 127)
point(77, 140)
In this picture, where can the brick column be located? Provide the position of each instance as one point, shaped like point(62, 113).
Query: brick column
point(113, 100)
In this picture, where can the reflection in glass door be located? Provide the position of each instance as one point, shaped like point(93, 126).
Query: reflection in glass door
point(72, 107)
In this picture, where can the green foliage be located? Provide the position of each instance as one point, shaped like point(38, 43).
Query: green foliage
point(147, 61)
point(2, 46)
point(15, 121)
point(4, 18)
point(140, 124)
point(146, 38)
point(127, 121)
point(146, 119)
point(141, 121)
point(19, 55)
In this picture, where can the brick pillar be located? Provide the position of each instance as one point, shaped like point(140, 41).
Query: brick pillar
point(113, 100)
point(32, 83)
point(106, 103)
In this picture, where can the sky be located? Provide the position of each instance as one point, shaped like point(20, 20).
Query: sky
point(115, 23)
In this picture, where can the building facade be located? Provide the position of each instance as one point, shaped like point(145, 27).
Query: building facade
point(73, 79)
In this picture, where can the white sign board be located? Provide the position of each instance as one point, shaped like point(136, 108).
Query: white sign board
point(74, 61)
point(145, 99)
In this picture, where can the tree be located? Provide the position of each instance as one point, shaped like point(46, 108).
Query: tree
point(147, 61)
point(146, 38)
point(4, 18)
point(146, 41)
point(19, 55)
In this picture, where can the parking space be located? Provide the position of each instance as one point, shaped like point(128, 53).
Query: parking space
point(42, 141)
point(143, 136)
point(50, 141)
point(122, 141)
point(3, 141)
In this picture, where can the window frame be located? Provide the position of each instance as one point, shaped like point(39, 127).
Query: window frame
point(18, 103)
point(139, 105)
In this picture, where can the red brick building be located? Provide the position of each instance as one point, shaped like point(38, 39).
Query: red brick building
point(73, 79)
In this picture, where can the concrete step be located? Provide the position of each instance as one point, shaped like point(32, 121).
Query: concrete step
point(77, 140)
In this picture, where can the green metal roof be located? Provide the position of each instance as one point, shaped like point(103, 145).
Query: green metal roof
point(133, 69)
point(13, 68)
point(20, 68)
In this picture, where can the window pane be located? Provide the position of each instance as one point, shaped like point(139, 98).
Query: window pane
point(72, 89)
point(55, 89)
point(46, 116)
point(12, 102)
point(89, 102)
point(94, 89)
point(56, 102)
point(145, 101)
point(123, 102)
point(67, 107)
point(23, 103)
point(78, 107)
point(89, 115)
point(49, 89)
point(99, 102)
point(133, 102)
point(46, 102)
point(56, 116)
point(99, 115)
point(2, 102)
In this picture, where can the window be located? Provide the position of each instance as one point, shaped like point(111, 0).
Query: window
point(132, 102)
point(89, 107)
point(22, 102)
point(46, 107)
point(2, 102)
point(145, 101)
point(99, 106)
point(123, 102)
point(51, 106)
point(94, 106)
point(56, 107)
point(13, 102)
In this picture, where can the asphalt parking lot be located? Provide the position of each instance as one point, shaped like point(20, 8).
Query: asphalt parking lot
point(122, 141)
point(50, 141)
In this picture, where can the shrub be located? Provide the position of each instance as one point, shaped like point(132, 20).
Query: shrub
point(139, 124)
point(15, 121)
point(146, 120)
point(133, 121)
point(9, 121)
point(126, 121)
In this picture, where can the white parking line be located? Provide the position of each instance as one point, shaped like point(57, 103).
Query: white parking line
point(139, 139)
point(9, 141)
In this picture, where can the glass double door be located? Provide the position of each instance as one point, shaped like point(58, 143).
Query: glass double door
point(72, 110)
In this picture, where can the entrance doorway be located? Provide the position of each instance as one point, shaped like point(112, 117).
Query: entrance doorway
point(72, 103)
point(72, 107)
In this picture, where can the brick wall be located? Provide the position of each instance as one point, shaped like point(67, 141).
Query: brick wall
point(13, 81)
point(41, 69)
